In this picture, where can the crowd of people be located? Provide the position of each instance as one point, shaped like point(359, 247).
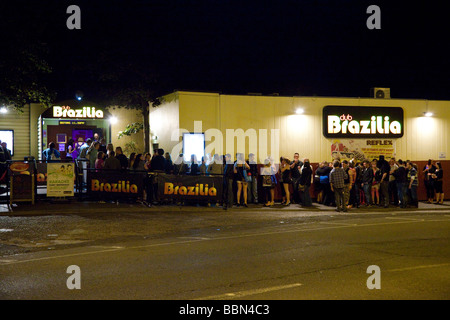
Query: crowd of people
point(349, 184)
point(344, 184)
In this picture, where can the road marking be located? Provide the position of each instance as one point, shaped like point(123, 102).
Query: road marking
point(240, 294)
point(340, 223)
point(405, 218)
point(9, 262)
point(4, 261)
point(420, 267)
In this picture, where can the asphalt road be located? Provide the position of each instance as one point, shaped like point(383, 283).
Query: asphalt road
point(204, 254)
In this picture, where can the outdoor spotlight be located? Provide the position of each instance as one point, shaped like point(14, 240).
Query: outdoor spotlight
point(3, 110)
point(299, 111)
point(428, 114)
point(113, 120)
point(79, 95)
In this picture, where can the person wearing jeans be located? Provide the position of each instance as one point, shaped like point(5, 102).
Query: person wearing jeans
point(295, 175)
point(306, 179)
point(253, 185)
point(337, 184)
point(228, 175)
point(413, 183)
point(400, 178)
point(367, 178)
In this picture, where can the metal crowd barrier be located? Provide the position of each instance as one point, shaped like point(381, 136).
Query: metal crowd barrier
point(26, 180)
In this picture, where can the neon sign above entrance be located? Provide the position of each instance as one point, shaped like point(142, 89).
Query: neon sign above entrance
point(362, 122)
point(82, 113)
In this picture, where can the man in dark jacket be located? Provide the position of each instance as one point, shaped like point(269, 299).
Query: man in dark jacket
point(384, 183)
point(295, 175)
point(112, 162)
point(228, 175)
point(158, 162)
point(366, 181)
point(122, 158)
point(400, 178)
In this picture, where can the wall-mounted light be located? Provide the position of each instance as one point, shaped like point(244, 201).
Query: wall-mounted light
point(113, 120)
point(428, 114)
point(299, 111)
point(79, 95)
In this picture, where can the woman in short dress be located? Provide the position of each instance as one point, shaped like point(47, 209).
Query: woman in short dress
point(438, 177)
point(240, 178)
point(285, 169)
point(375, 184)
point(269, 182)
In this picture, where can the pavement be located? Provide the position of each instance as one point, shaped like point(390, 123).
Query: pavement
point(73, 206)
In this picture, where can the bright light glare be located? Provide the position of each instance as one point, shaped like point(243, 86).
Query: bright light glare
point(113, 120)
point(299, 111)
point(3, 110)
point(428, 114)
point(193, 143)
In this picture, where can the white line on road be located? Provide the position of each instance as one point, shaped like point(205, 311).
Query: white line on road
point(5, 261)
point(240, 294)
point(340, 223)
point(420, 267)
point(194, 238)
point(405, 218)
point(56, 257)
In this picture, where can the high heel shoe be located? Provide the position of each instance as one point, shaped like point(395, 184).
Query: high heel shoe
point(287, 204)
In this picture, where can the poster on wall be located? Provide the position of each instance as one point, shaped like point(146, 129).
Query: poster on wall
point(60, 179)
point(360, 149)
point(7, 136)
point(22, 178)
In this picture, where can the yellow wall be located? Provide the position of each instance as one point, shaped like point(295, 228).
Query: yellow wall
point(20, 123)
point(164, 121)
point(424, 137)
point(125, 117)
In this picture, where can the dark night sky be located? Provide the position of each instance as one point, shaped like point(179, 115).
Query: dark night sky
point(288, 47)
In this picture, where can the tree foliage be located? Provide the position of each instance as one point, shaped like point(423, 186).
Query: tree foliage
point(24, 68)
point(130, 129)
point(21, 82)
point(127, 84)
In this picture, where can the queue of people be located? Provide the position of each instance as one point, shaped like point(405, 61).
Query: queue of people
point(349, 184)
point(344, 184)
